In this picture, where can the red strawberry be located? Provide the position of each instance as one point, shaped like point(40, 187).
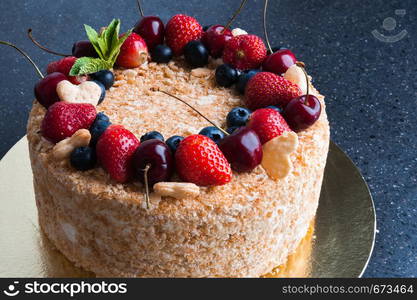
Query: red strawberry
point(64, 66)
point(63, 119)
point(200, 161)
point(133, 52)
point(115, 150)
point(180, 30)
point(244, 52)
point(267, 123)
point(266, 88)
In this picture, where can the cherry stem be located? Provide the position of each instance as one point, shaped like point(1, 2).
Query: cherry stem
point(43, 47)
point(194, 109)
point(140, 8)
point(237, 12)
point(265, 31)
point(26, 56)
point(302, 66)
point(145, 177)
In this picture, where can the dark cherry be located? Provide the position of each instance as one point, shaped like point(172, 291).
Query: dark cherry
point(215, 38)
point(45, 89)
point(157, 155)
point(302, 112)
point(279, 62)
point(83, 48)
point(152, 30)
point(243, 149)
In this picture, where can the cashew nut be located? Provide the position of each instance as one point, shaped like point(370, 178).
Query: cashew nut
point(63, 149)
point(177, 190)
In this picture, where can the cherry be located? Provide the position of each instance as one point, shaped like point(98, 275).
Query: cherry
point(45, 89)
point(215, 38)
point(151, 29)
point(153, 159)
point(279, 62)
point(133, 52)
point(302, 112)
point(83, 48)
point(243, 149)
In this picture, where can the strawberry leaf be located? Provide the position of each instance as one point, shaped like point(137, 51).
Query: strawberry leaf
point(88, 65)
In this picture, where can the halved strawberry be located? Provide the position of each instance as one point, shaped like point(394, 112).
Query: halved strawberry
point(267, 123)
point(63, 119)
point(200, 161)
point(244, 52)
point(115, 150)
point(64, 66)
point(180, 30)
point(266, 88)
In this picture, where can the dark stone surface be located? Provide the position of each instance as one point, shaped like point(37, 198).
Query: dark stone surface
point(370, 85)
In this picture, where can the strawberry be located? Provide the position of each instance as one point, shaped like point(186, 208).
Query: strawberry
point(244, 52)
point(64, 66)
point(115, 150)
point(133, 52)
point(265, 89)
point(200, 161)
point(63, 119)
point(267, 123)
point(180, 30)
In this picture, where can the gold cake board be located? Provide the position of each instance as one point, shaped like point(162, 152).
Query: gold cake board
point(338, 244)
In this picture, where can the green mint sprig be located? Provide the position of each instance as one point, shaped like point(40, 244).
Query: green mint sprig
point(107, 45)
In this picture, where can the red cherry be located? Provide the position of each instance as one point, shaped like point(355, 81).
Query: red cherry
point(243, 149)
point(45, 89)
point(215, 38)
point(302, 112)
point(133, 52)
point(83, 48)
point(151, 29)
point(279, 62)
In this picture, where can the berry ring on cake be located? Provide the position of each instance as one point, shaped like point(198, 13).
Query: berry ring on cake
point(176, 151)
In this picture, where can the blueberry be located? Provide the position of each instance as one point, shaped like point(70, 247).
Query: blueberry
point(238, 116)
point(213, 133)
point(106, 77)
point(278, 109)
point(151, 135)
point(103, 91)
point(206, 27)
point(99, 125)
point(275, 49)
point(232, 129)
point(161, 54)
point(83, 158)
point(243, 80)
point(226, 75)
point(173, 142)
point(196, 54)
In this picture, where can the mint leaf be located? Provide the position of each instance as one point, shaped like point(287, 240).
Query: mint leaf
point(93, 37)
point(116, 46)
point(88, 65)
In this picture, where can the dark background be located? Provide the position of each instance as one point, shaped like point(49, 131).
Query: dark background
point(370, 85)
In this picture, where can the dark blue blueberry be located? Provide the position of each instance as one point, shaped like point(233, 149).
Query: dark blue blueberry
point(173, 142)
point(161, 54)
point(238, 116)
point(151, 135)
point(243, 80)
point(106, 77)
point(275, 49)
point(99, 125)
point(232, 129)
point(213, 133)
point(196, 54)
point(103, 91)
point(226, 75)
point(206, 27)
point(83, 158)
point(278, 109)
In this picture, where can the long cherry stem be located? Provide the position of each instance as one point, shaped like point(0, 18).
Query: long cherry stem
point(26, 56)
point(302, 66)
point(145, 177)
point(43, 47)
point(266, 31)
point(194, 109)
point(237, 12)
point(140, 8)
